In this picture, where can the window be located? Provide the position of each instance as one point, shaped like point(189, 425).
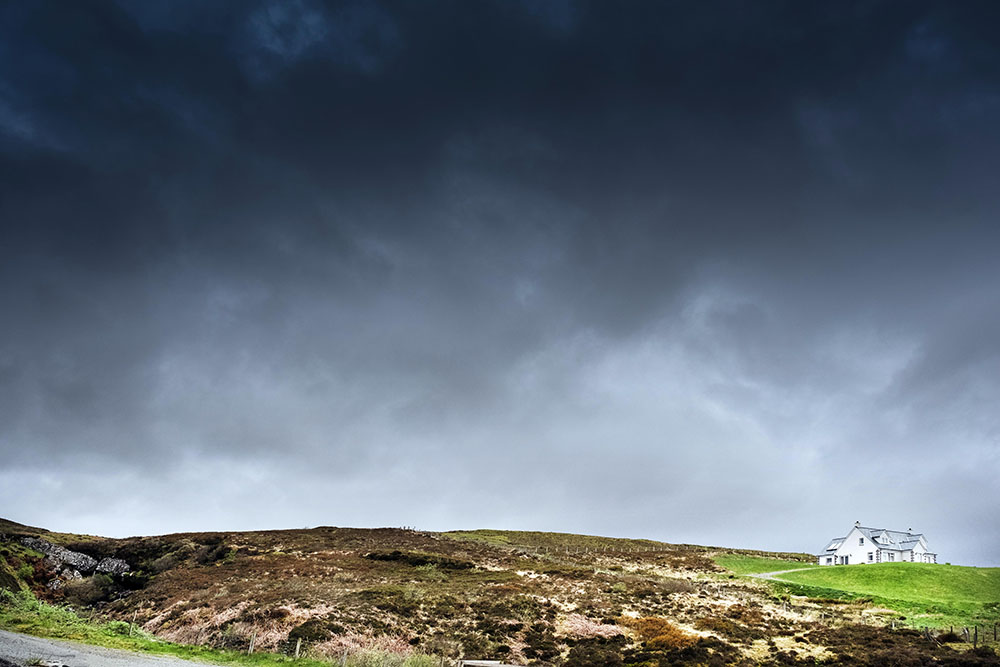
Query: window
point(871, 556)
point(861, 541)
point(829, 561)
point(891, 557)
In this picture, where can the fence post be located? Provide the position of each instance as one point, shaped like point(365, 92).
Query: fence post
point(132, 624)
point(298, 647)
point(253, 639)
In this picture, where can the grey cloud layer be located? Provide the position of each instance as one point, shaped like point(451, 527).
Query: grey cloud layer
point(687, 271)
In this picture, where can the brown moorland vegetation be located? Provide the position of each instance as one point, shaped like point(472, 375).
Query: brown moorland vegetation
point(528, 598)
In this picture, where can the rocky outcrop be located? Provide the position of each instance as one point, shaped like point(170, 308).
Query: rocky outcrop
point(61, 556)
point(112, 566)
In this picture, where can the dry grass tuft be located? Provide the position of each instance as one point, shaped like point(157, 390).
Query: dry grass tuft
point(660, 633)
point(579, 626)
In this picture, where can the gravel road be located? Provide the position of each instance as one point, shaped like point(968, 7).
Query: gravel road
point(19, 649)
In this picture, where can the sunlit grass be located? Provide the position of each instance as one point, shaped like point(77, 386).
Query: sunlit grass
point(928, 594)
point(739, 564)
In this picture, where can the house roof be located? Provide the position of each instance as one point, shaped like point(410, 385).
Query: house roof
point(895, 540)
point(891, 539)
point(834, 544)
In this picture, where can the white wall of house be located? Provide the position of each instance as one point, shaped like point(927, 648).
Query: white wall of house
point(855, 548)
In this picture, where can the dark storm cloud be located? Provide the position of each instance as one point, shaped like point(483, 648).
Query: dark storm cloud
point(671, 270)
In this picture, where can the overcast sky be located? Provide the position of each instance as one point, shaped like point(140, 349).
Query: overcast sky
point(716, 273)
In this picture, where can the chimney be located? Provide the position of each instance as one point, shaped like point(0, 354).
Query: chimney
point(857, 523)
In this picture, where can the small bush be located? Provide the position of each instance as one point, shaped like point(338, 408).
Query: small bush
point(660, 633)
point(677, 585)
point(133, 581)
point(419, 559)
point(594, 655)
point(167, 562)
point(315, 630)
point(88, 591)
point(541, 643)
point(715, 624)
point(209, 553)
point(118, 628)
point(748, 615)
point(673, 638)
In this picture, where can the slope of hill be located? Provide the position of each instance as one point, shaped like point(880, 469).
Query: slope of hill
point(934, 595)
point(915, 582)
point(538, 598)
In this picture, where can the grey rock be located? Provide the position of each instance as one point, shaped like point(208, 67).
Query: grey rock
point(113, 566)
point(55, 584)
point(79, 561)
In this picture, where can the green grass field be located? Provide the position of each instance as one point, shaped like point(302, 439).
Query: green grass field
point(739, 564)
point(914, 582)
point(934, 595)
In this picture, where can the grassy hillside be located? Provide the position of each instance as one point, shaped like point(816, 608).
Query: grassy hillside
point(916, 582)
point(524, 597)
point(743, 564)
point(935, 595)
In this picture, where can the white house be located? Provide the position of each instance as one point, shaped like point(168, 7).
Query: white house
point(876, 545)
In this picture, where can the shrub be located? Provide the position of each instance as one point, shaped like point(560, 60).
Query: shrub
point(88, 591)
point(418, 559)
point(541, 644)
point(133, 581)
point(577, 625)
point(118, 627)
point(728, 628)
point(748, 615)
point(715, 624)
point(8, 582)
point(673, 638)
point(677, 585)
point(315, 630)
point(660, 633)
point(593, 655)
point(211, 553)
point(166, 562)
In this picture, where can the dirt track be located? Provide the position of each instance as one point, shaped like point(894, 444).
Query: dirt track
point(22, 648)
point(774, 575)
